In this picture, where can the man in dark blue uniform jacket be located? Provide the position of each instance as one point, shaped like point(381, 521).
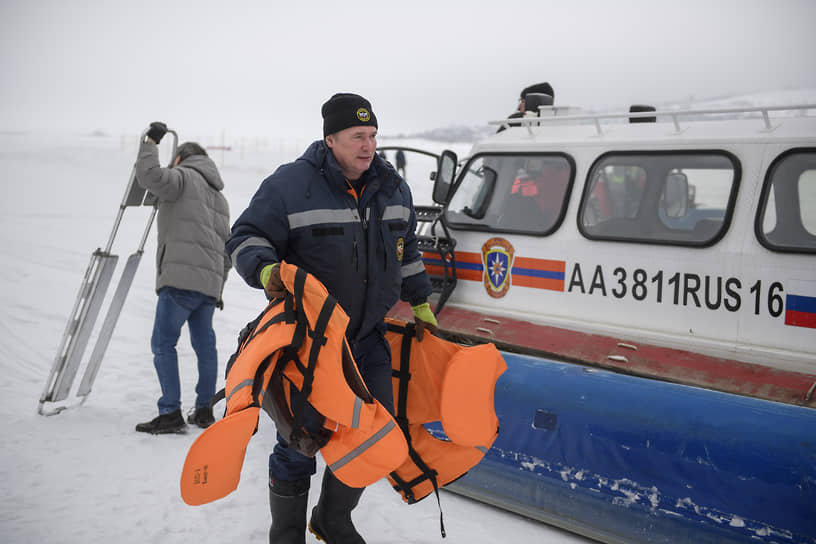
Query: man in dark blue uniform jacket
point(343, 214)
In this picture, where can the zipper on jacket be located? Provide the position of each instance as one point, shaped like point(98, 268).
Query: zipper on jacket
point(356, 244)
point(384, 242)
point(364, 225)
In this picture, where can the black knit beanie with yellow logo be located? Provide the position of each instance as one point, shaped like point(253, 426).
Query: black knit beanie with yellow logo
point(345, 110)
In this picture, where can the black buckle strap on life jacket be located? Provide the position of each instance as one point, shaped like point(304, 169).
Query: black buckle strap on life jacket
point(287, 418)
point(218, 397)
point(319, 339)
point(293, 303)
point(290, 353)
point(404, 375)
point(287, 315)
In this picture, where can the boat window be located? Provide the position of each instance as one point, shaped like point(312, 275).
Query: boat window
point(676, 198)
point(517, 193)
point(786, 218)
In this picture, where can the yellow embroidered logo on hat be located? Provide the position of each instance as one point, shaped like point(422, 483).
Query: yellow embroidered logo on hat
point(363, 115)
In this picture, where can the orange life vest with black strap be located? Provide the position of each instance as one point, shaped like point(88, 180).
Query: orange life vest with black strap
point(297, 345)
point(440, 381)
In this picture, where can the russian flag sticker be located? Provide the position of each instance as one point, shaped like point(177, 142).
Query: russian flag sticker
point(800, 304)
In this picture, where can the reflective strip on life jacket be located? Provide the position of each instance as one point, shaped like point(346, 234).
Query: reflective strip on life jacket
point(356, 452)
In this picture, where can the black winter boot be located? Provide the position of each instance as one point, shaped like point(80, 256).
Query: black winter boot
point(287, 503)
point(331, 518)
point(203, 417)
point(164, 424)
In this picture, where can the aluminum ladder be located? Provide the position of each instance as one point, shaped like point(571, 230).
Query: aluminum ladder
point(89, 303)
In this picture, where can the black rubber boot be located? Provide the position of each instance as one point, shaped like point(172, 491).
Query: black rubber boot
point(287, 503)
point(331, 518)
point(172, 423)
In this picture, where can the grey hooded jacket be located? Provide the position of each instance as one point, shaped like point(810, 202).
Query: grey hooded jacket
point(193, 221)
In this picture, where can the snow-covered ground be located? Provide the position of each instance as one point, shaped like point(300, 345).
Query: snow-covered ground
point(85, 475)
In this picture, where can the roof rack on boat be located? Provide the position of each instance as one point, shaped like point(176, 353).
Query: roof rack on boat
point(549, 114)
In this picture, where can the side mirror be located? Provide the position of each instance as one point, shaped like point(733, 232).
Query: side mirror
point(443, 177)
point(676, 195)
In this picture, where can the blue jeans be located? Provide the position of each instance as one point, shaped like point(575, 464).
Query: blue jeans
point(174, 308)
point(373, 357)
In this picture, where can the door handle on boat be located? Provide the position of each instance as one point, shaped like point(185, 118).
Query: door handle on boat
point(619, 358)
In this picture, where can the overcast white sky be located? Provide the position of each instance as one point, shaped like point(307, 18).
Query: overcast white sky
point(254, 67)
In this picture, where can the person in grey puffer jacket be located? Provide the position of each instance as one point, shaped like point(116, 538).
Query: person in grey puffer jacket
point(191, 268)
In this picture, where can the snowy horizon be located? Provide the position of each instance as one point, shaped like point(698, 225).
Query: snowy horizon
point(237, 139)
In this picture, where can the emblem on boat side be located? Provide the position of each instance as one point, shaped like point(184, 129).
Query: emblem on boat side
point(497, 258)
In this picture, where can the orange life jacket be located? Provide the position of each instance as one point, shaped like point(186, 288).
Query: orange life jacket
point(440, 381)
point(299, 343)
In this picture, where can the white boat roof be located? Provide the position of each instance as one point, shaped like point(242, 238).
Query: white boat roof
point(727, 125)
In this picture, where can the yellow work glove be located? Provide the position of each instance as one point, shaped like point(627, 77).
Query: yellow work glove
point(424, 319)
point(271, 281)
